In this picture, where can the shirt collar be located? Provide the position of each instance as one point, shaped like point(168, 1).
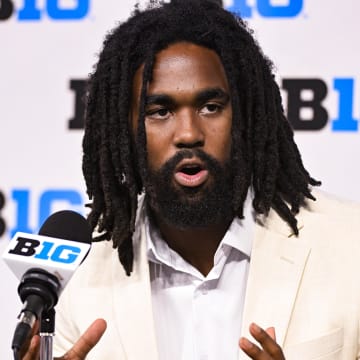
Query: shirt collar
point(241, 231)
point(238, 236)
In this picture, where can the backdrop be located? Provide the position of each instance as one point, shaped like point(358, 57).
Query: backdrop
point(48, 47)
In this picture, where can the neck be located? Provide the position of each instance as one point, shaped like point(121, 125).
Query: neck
point(196, 245)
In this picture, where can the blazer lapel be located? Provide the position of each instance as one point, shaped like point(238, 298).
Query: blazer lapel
point(277, 264)
point(133, 306)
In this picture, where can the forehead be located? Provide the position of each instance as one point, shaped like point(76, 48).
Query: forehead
point(183, 67)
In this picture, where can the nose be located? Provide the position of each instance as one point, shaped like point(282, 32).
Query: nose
point(188, 132)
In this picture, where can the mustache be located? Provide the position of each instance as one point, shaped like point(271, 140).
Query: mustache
point(170, 165)
point(189, 207)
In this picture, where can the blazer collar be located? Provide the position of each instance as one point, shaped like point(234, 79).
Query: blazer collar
point(278, 260)
point(132, 301)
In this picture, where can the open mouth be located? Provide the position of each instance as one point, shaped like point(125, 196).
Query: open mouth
point(191, 169)
point(191, 174)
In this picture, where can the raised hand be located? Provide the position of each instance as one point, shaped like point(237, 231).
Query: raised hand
point(269, 349)
point(80, 349)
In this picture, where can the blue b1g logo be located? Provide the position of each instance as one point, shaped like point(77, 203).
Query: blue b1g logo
point(34, 10)
point(265, 8)
point(45, 202)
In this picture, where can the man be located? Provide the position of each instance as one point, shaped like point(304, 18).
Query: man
point(224, 255)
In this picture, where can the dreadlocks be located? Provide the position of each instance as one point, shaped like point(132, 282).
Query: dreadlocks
point(265, 154)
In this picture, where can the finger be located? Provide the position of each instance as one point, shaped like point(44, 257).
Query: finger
point(271, 332)
point(33, 351)
point(266, 341)
point(30, 348)
point(87, 341)
point(252, 350)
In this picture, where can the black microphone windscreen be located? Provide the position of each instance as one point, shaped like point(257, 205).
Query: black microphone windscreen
point(67, 225)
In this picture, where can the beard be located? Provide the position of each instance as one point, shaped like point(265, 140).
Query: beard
point(191, 207)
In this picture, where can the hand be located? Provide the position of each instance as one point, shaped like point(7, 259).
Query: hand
point(80, 349)
point(30, 350)
point(269, 349)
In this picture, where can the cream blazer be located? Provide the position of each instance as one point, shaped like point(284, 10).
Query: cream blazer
point(307, 287)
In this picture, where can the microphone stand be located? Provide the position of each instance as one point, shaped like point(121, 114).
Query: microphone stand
point(47, 332)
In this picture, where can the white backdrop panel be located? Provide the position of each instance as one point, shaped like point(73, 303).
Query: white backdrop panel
point(41, 156)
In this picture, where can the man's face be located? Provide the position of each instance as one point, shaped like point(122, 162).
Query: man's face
point(188, 132)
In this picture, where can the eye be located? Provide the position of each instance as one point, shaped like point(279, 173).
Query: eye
point(159, 114)
point(211, 108)
point(162, 112)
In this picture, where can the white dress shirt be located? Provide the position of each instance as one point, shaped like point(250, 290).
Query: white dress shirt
point(199, 317)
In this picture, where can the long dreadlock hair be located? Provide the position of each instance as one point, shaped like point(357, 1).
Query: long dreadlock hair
point(111, 161)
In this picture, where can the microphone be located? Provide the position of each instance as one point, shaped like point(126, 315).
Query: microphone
point(45, 263)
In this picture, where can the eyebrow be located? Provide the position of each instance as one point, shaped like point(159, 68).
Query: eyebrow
point(200, 98)
point(212, 93)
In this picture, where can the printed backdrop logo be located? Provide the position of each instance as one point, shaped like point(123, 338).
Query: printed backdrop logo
point(24, 201)
point(34, 10)
point(2, 222)
point(265, 8)
point(305, 108)
point(308, 95)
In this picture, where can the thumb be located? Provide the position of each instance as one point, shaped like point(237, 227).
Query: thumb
point(86, 342)
point(271, 332)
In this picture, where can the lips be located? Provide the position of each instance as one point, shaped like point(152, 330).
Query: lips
point(191, 173)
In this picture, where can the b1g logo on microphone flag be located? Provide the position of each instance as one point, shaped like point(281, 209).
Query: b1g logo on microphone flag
point(58, 256)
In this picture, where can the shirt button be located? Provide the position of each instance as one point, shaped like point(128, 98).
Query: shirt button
point(204, 289)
